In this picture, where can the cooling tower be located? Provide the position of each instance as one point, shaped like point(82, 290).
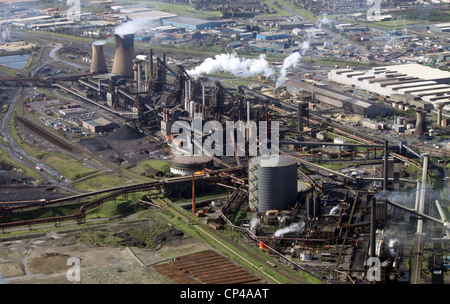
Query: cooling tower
point(123, 58)
point(98, 63)
point(421, 124)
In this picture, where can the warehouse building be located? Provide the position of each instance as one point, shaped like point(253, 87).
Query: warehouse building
point(350, 103)
point(272, 36)
point(440, 27)
point(191, 23)
point(420, 83)
point(99, 125)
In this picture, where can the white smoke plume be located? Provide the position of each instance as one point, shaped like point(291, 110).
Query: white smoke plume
point(290, 61)
point(305, 47)
point(294, 227)
point(230, 63)
point(133, 26)
point(391, 247)
point(324, 20)
point(335, 210)
point(254, 221)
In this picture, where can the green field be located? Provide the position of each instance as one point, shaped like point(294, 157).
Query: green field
point(179, 9)
point(68, 167)
point(392, 24)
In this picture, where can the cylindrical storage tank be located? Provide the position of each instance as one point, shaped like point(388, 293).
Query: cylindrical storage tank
point(188, 165)
point(272, 185)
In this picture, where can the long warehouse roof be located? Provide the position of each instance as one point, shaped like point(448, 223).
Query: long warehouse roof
point(433, 92)
point(424, 88)
point(410, 84)
point(419, 70)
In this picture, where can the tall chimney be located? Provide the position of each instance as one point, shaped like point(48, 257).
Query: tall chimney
point(439, 107)
point(123, 58)
point(150, 59)
point(98, 63)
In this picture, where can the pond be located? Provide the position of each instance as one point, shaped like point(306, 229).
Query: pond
point(17, 62)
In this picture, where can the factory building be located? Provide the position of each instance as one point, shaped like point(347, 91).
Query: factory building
point(191, 23)
point(272, 36)
point(325, 95)
point(98, 125)
point(413, 81)
point(440, 27)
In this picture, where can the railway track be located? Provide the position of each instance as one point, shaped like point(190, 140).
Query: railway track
point(238, 250)
point(217, 175)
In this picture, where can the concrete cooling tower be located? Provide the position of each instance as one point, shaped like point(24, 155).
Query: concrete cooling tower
point(98, 63)
point(421, 123)
point(124, 55)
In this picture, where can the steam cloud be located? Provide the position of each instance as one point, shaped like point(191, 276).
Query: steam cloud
point(241, 67)
point(290, 61)
point(133, 26)
point(234, 65)
point(324, 20)
point(294, 227)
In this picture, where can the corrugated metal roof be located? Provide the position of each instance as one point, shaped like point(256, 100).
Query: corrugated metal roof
point(423, 88)
point(410, 84)
point(433, 92)
point(418, 70)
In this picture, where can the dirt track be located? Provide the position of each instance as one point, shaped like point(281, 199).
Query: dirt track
point(43, 259)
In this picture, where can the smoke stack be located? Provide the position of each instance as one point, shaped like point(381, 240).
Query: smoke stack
point(124, 56)
point(439, 107)
point(421, 125)
point(98, 63)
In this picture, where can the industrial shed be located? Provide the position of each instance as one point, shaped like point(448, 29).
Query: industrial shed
point(99, 125)
point(191, 23)
point(350, 103)
point(421, 82)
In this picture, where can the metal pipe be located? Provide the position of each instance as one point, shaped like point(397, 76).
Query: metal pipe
point(423, 192)
point(417, 196)
point(139, 76)
point(203, 95)
point(150, 59)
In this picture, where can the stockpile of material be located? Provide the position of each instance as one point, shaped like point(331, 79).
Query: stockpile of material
point(126, 133)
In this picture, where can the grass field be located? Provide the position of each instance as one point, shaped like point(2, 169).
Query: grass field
point(179, 9)
point(101, 182)
point(393, 24)
point(68, 167)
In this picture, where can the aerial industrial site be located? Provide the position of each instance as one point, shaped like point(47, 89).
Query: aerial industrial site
point(224, 142)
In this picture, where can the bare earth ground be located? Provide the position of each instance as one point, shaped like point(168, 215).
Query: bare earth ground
point(44, 259)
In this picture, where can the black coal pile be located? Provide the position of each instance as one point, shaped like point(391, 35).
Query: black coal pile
point(126, 133)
